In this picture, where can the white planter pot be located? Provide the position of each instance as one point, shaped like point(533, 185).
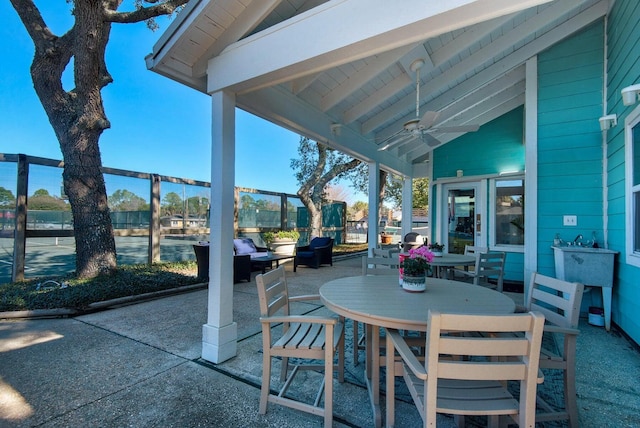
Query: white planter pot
point(414, 284)
point(284, 247)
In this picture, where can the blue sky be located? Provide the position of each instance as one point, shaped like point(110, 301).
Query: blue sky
point(157, 125)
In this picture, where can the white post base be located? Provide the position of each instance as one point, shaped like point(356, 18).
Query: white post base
point(219, 343)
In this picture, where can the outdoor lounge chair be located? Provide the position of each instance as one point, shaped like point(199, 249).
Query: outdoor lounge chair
point(241, 264)
point(318, 252)
point(303, 336)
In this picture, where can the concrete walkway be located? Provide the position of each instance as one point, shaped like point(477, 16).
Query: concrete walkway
point(139, 366)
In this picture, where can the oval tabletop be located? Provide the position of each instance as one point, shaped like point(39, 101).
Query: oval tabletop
point(378, 300)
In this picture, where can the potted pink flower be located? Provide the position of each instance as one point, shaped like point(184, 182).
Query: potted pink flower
point(415, 267)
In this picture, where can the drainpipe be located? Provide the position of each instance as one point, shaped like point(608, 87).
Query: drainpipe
point(605, 161)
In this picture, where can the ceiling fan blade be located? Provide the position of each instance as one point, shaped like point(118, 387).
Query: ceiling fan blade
point(430, 140)
point(461, 128)
point(428, 119)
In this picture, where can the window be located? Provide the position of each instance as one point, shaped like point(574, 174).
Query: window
point(508, 210)
point(632, 148)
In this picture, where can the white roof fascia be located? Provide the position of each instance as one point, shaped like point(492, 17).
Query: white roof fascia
point(307, 46)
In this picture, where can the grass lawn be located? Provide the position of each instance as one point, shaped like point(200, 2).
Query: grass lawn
point(130, 280)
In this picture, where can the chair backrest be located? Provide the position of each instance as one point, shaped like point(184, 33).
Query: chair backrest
point(378, 252)
point(320, 242)
point(273, 292)
point(412, 240)
point(559, 301)
point(380, 265)
point(490, 265)
point(487, 356)
point(470, 250)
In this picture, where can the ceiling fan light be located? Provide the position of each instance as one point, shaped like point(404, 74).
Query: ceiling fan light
point(412, 125)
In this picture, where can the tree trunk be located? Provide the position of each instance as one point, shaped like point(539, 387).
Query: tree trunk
point(78, 119)
point(77, 116)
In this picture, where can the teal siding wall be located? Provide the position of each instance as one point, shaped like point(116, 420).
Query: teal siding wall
point(570, 83)
point(496, 147)
point(623, 69)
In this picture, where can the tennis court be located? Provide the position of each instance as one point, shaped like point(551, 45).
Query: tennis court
point(56, 256)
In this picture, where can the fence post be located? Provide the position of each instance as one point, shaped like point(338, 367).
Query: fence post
point(20, 233)
point(154, 221)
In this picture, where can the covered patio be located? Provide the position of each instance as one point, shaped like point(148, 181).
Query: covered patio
point(161, 379)
point(383, 82)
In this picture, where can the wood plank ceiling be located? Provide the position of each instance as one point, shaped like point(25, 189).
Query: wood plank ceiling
point(471, 75)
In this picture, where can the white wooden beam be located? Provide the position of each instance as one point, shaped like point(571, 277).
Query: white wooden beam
point(247, 20)
point(377, 98)
point(372, 29)
point(374, 67)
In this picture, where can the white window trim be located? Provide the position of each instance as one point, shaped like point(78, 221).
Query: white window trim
point(492, 219)
point(633, 119)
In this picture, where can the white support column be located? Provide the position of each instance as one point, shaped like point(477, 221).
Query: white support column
point(531, 169)
point(407, 206)
point(374, 202)
point(219, 334)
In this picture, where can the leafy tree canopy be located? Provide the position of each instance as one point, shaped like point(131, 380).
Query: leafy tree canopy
point(125, 200)
point(7, 199)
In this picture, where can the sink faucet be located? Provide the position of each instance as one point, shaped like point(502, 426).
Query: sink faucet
point(578, 240)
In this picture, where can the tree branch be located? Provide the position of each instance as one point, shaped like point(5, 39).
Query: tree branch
point(144, 13)
point(34, 23)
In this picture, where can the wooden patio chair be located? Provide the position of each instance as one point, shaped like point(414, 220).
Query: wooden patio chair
point(466, 374)
point(559, 301)
point(489, 267)
point(303, 336)
point(469, 250)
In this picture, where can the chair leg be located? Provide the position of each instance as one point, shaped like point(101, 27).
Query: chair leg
point(328, 383)
point(356, 338)
point(284, 369)
point(341, 358)
point(570, 386)
point(266, 382)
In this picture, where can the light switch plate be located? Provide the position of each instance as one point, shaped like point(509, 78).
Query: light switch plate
point(570, 220)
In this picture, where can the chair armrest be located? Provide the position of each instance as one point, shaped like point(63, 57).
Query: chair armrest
point(299, 318)
point(405, 352)
point(463, 272)
point(562, 330)
point(304, 297)
point(261, 249)
point(304, 248)
point(323, 247)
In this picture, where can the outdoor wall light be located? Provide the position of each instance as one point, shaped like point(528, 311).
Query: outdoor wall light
point(630, 94)
point(608, 121)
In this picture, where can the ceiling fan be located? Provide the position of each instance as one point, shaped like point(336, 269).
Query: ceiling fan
point(421, 127)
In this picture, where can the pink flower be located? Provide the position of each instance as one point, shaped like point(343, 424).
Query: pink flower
point(418, 261)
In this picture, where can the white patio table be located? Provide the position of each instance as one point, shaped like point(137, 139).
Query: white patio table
point(451, 260)
point(378, 301)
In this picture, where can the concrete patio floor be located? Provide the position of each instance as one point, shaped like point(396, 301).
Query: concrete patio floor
point(139, 365)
